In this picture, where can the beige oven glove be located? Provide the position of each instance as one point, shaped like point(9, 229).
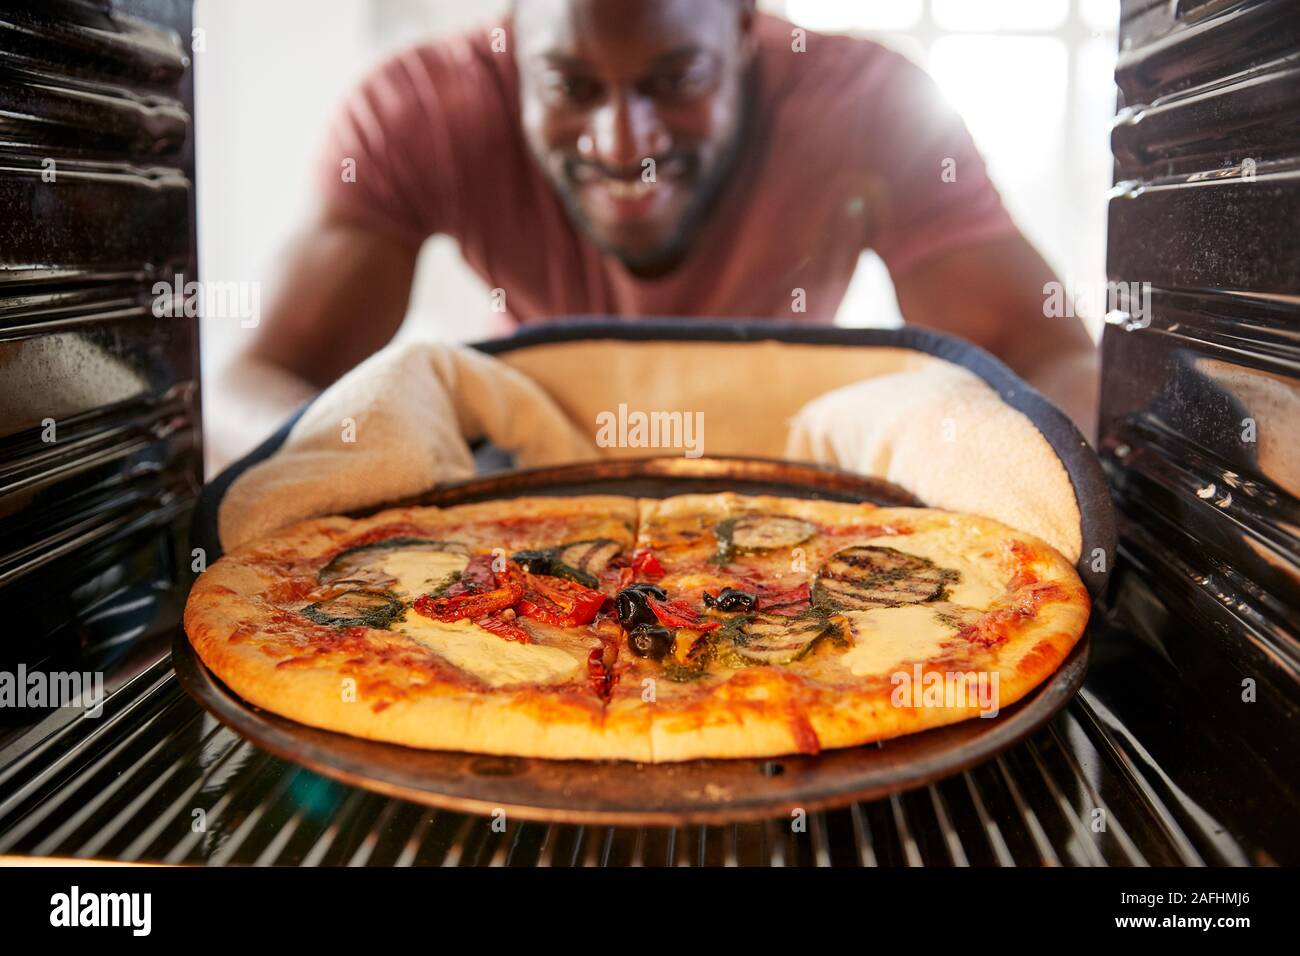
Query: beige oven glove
point(393, 427)
point(944, 435)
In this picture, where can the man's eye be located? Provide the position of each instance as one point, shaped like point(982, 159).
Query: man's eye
point(683, 83)
point(576, 89)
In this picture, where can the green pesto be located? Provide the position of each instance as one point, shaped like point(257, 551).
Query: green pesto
point(383, 610)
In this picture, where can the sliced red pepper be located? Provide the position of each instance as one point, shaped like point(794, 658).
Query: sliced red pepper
point(470, 603)
point(558, 601)
point(602, 660)
point(597, 672)
point(501, 627)
point(647, 565)
point(679, 614)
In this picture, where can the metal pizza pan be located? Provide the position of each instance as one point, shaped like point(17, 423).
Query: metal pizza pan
point(611, 793)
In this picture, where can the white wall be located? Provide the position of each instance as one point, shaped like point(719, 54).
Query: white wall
point(266, 82)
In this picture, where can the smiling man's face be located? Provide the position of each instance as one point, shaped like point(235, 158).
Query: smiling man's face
point(607, 86)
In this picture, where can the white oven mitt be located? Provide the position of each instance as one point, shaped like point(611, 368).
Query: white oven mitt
point(393, 427)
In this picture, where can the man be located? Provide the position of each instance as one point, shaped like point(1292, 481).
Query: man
point(652, 157)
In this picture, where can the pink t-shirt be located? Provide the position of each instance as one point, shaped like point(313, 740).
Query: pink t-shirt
point(849, 150)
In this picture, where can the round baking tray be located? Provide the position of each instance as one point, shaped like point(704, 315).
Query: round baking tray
point(623, 792)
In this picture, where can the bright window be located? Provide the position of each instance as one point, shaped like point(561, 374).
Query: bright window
point(838, 15)
point(1034, 81)
point(1000, 14)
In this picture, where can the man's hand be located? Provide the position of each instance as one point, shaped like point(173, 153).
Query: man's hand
point(992, 294)
point(341, 294)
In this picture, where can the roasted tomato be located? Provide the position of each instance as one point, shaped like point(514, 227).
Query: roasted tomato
point(679, 614)
point(647, 565)
point(503, 624)
point(558, 601)
point(469, 599)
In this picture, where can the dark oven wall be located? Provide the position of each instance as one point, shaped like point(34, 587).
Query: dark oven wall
point(1201, 398)
point(100, 456)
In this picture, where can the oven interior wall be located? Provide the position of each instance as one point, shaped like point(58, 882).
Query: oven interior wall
point(100, 457)
point(1200, 411)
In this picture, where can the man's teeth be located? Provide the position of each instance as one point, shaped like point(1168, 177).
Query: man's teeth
point(628, 188)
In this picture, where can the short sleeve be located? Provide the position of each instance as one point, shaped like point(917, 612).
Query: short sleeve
point(396, 153)
point(938, 195)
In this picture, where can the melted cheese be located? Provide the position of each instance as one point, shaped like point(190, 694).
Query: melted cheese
point(419, 571)
point(492, 659)
point(983, 580)
point(688, 582)
point(886, 638)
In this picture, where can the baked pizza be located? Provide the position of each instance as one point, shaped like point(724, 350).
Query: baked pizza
point(608, 627)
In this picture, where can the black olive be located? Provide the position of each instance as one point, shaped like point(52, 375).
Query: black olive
point(731, 599)
point(633, 609)
point(650, 641)
point(535, 562)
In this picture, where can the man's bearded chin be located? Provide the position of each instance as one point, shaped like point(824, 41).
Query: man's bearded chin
point(661, 256)
point(664, 255)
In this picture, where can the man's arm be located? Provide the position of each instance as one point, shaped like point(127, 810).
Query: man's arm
point(992, 294)
point(340, 295)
